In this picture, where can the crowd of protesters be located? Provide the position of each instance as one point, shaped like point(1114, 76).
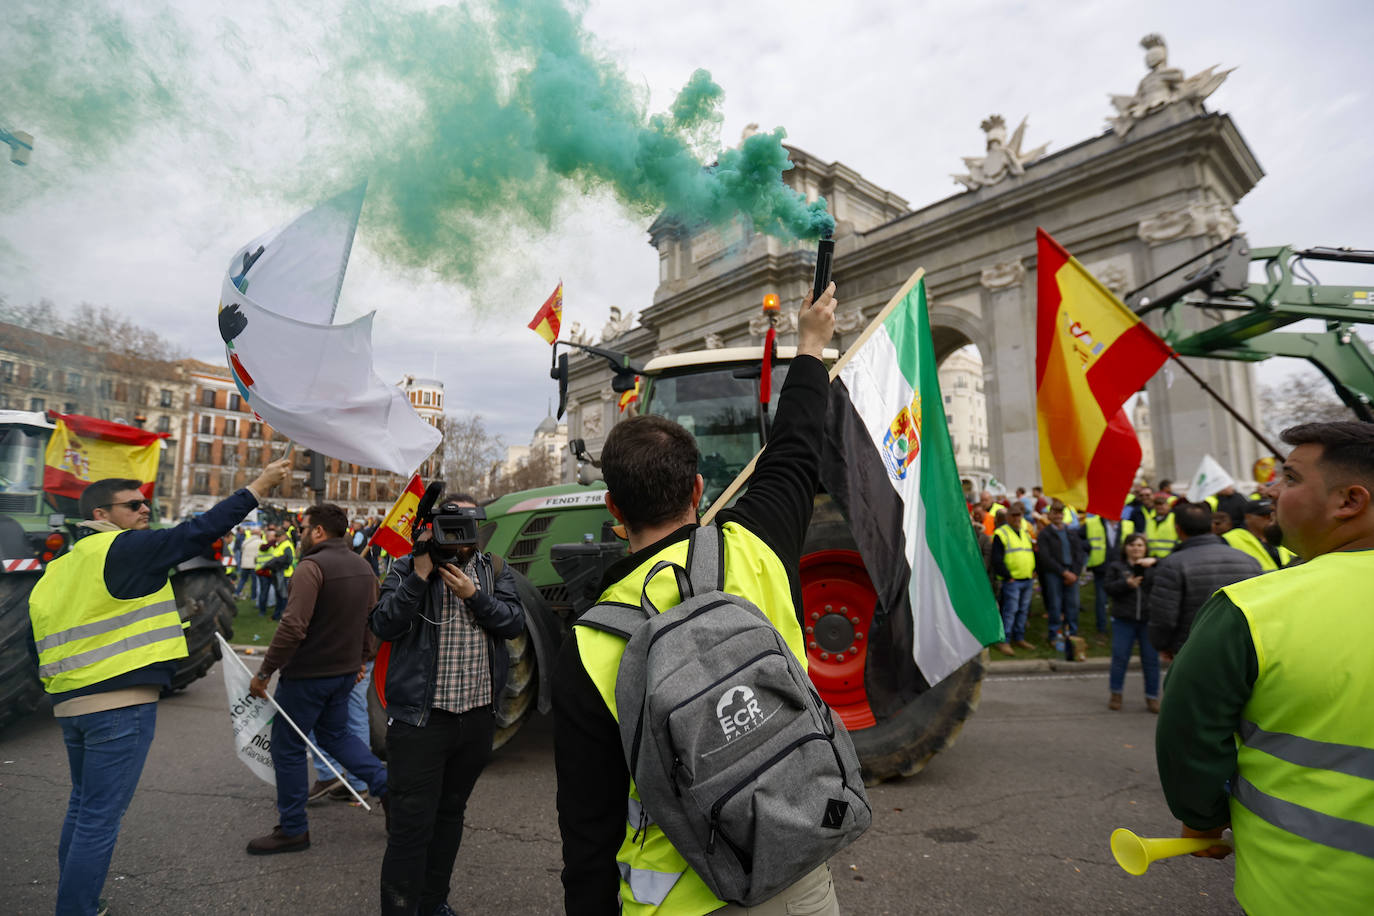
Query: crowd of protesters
point(1150, 570)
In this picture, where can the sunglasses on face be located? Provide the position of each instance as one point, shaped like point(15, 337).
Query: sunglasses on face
point(132, 505)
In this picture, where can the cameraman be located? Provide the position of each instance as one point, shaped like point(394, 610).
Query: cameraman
point(446, 612)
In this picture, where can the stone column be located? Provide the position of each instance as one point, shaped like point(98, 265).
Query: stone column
point(1009, 380)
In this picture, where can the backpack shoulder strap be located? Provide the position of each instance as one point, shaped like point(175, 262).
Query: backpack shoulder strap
point(706, 559)
point(617, 619)
point(497, 564)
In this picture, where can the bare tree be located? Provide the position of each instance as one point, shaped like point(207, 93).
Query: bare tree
point(1306, 397)
point(536, 470)
point(470, 452)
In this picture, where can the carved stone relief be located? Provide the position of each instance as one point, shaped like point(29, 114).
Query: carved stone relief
point(1002, 160)
point(714, 341)
point(1163, 85)
point(787, 323)
point(1001, 276)
point(1209, 217)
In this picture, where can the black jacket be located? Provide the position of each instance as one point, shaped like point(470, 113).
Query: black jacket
point(1049, 556)
point(1185, 579)
point(1128, 603)
point(415, 642)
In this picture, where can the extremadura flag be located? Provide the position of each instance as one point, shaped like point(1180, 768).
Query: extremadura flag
point(889, 464)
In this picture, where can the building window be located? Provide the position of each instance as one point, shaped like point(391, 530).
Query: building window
point(233, 401)
point(200, 483)
point(164, 424)
point(207, 426)
point(231, 427)
point(226, 483)
point(73, 381)
point(439, 399)
point(254, 430)
point(949, 399)
point(426, 399)
point(253, 457)
point(364, 490)
point(165, 397)
point(6, 370)
point(343, 489)
point(40, 377)
point(207, 398)
point(69, 407)
point(106, 388)
point(202, 452)
point(121, 392)
point(104, 413)
point(37, 405)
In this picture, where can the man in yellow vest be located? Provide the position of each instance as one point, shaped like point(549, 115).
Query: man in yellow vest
point(107, 634)
point(614, 859)
point(1013, 560)
point(280, 562)
point(1104, 538)
point(1160, 530)
point(1254, 539)
point(1266, 725)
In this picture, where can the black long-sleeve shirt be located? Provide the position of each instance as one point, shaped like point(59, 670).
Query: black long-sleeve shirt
point(593, 779)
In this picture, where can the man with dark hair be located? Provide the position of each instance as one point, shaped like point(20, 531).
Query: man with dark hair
point(1201, 564)
point(1060, 556)
point(1281, 663)
point(1013, 560)
point(321, 649)
point(1160, 525)
point(108, 634)
point(447, 615)
point(1257, 538)
point(650, 465)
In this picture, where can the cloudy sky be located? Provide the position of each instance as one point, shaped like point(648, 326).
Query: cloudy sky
point(222, 131)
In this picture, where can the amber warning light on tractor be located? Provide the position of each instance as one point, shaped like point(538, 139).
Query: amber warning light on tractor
point(770, 303)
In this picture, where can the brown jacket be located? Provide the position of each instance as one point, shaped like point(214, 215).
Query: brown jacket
point(323, 631)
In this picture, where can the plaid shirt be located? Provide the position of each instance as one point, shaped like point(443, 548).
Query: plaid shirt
point(463, 678)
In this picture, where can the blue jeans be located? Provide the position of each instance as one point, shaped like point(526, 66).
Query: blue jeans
point(105, 751)
point(1061, 603)
point(1100, 597)
point(318, 705)
point(357, 725)
point(1125, 634)
point(275, 586)
point(249, 577)
point(1016, 600)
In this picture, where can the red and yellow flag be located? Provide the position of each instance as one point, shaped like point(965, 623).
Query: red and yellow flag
point(549, 318)
point(629, 397)
point(393, 534)
point(84, 449)
point(1092, 353)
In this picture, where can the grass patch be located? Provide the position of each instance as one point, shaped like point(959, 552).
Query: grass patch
point(1038, 628)
point(249, 628)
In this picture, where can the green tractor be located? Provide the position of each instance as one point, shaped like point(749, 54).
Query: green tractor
point(36, 527)
point(560, 540)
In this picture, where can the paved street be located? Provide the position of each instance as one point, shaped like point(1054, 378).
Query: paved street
point(1014, 819)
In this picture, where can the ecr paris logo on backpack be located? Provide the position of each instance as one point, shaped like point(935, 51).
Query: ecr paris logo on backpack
point(734, 755)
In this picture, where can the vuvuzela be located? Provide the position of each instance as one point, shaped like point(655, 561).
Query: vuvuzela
point(1135, 853)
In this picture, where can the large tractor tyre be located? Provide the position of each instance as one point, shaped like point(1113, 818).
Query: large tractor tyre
point(20, 690)
point(518, 698)
point(205, 598)
point(839, 605)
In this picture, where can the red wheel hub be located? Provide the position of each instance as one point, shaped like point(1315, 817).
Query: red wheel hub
point(838, 601)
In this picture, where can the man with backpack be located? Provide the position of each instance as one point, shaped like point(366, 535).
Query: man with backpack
point(742, 578)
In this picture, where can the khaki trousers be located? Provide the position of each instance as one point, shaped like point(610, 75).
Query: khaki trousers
point(813, 895)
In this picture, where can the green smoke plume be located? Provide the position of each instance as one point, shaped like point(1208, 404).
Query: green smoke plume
point(467, 121)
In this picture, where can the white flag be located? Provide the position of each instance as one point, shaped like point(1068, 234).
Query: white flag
point(250, 718)
point(312, 380)
point(1210, 478)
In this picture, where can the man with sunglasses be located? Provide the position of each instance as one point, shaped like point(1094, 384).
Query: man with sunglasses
point(107, 634)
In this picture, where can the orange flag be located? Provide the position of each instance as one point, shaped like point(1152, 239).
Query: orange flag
point(1092, 353)
point(393, 534)
point(549, 318)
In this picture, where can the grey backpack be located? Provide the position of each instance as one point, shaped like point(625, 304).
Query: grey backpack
point(736, 757)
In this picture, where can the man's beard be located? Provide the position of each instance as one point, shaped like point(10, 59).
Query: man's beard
point(1273, 534)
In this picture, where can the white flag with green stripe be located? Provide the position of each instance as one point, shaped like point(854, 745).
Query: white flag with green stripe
point(889, 463)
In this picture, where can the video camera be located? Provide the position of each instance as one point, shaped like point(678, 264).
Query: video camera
point(454, 527)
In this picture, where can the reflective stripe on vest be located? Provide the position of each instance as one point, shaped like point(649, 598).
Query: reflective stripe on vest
point(1160, 536)
point(1302, 805)
point(655, 878)
point(1017, 552)
point(85, 635)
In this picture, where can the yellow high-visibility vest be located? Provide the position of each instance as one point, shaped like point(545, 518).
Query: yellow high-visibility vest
point(1097, 538)
point(85, 635)
point(654, 877)
point(1302, 799)
point(1017, 552)
point(1161, 535)
point(1247, 543)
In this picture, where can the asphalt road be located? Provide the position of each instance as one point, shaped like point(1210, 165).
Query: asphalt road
point(1012, 820)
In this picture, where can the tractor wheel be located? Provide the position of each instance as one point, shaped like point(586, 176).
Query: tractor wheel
point(839, 606)
point(20, 689)
point(205, 597)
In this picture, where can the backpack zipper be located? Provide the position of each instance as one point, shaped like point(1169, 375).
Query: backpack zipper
point(752, 777)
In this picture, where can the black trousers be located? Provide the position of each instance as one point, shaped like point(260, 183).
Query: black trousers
point(431, 772)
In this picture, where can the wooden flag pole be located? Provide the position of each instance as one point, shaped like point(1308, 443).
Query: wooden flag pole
point(1259, 436)
point(730, 491)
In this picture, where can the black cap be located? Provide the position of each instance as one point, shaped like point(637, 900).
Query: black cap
point(1259, 507)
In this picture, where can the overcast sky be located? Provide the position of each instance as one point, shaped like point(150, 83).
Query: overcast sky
point(893, 90)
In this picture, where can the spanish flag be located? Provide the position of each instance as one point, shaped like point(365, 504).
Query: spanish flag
point(629, 397)
point(83, 450)
point(1092, 353)
point(549, 318)
point(393, 534)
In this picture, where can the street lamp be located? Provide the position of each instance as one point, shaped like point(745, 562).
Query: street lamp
point(20, 144)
